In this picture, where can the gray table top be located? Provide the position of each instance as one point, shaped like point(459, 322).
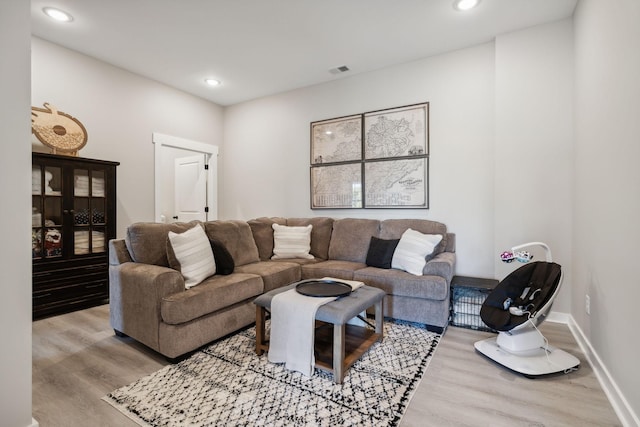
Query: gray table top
point(337, 312)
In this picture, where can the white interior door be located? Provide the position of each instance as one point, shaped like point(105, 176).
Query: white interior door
point(166, 149)
point(190, 185)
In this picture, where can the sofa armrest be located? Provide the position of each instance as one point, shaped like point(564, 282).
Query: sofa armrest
point(441, 265)
point(118, 252)
point(135, 293)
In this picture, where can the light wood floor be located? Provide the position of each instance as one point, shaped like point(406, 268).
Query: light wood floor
point(77, 360)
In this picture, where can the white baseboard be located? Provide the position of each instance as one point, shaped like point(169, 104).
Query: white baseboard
point(558, 317)
point(627, 416)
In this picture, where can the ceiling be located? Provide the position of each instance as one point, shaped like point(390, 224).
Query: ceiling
point(262, 47)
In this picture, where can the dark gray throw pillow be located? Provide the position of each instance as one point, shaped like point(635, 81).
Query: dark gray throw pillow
point(224, 260)
point(380, 252)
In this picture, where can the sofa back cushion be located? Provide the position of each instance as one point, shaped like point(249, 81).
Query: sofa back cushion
point(262, 230)
point(146, 241)
point(394, 228)
point(236, 236)
point(320, 233)
point(351, 237)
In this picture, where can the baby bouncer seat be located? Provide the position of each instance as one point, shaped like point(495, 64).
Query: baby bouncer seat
point(515, 308)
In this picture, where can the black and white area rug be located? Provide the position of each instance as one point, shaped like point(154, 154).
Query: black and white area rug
point(227, 384)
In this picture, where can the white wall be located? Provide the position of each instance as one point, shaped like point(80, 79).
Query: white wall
point(15, 259)
point(606, 226)
point(265, 166)
point(492, 118)
point(533, 145)
point(120, 111)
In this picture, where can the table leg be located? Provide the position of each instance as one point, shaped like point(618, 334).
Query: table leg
point(338, 353)
point(260, 332)
point(379, 319)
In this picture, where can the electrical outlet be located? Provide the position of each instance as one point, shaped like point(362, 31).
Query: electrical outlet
point(587, 304)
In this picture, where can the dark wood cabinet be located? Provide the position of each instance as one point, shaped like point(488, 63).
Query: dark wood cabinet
point(73, 218)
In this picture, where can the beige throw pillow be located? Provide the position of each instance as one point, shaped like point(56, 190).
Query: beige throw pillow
point(291, 242)
point(412, 249)
point(193, 252)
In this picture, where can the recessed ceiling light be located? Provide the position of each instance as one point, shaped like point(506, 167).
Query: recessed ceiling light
point(57, 14)
point(465, 4)
point(212, 82)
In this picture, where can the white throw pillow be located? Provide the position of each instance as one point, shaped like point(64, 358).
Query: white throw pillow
point(193, 252)
point(412, 249)
point(291, 242)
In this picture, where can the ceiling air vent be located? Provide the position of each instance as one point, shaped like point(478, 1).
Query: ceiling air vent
point(340, 69)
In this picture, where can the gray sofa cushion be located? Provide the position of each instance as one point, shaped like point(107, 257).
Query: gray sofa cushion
point(146, 241)
point(397, 282)
point(274, 274)
point(331, 268)
point(214, 293)
point(236, 236)
point(320, 234)
point(263, 234)
point(350, 239)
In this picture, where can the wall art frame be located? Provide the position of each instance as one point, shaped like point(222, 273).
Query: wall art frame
point(336, 140)
point(337, 186)
point(396, 132)
point(397, 183)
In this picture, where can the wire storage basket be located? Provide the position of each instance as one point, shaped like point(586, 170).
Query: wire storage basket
point(467, 296)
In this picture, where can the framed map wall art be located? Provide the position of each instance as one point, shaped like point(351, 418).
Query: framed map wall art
point(400, 183)
point(336, 186)
point(336, 140)
point(397, 132)
point(376, 160)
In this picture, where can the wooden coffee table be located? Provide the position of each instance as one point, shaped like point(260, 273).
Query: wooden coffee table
point(337, 344)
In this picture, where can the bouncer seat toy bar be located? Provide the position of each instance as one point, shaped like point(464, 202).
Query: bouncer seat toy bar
point(524, 256)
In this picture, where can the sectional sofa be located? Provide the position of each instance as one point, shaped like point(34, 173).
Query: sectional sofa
point(149, 301)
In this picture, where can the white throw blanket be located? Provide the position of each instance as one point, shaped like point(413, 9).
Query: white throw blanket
point(293, 328)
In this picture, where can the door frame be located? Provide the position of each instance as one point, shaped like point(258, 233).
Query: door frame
point(211, 151)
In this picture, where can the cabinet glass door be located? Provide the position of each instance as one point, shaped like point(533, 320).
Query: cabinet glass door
point(89, 211)
point(47, 211)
